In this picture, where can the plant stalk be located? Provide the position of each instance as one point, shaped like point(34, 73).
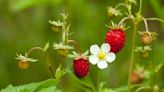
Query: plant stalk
point(132, 57)
point(98, 81)
point(154, 68)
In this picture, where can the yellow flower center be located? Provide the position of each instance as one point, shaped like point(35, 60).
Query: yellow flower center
point(101, 55)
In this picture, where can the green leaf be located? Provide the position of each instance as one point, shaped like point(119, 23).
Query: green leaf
point(59, 73)
point(46, 46)
point(159, 67)
point(86, 81)
point(32, 87)
point(107, 90)
point(50, 89)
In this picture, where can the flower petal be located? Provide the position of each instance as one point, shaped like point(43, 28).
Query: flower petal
point(110, 57)
point(94, 49)
point(102, 64)
point(93, 59)
point(105, 47)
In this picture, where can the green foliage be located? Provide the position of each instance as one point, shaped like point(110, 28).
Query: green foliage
point(85, 82)
point(47, 85)
point(24, 23)
point(59, 73)
point(50, 89)
point(46, 46)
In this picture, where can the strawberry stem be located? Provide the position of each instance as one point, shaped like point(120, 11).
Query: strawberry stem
point(123, 20)
point(132, 57)
point(146, 25)
point(33, 49)
point(49, 65)
point(154, 68)
point(76, 45)
point(120, 4)
point(157, 19)
point(140, 7)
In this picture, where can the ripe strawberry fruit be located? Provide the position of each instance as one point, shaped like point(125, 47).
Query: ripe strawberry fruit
point(116, 38)
point(81, 67)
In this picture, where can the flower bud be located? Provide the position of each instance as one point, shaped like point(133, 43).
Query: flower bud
point(23, 65)
point(131, 1)
point(62, 49)
point(56, 25)
point(112, 12)
point(143, 50)
point(139, 74)
point(63, 52)
point(147, 37)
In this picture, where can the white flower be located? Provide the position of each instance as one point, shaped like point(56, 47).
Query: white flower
point(101, 56)
point(25, 58)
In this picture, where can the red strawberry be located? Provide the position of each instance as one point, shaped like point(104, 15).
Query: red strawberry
point(137, 78)
point(81, 67)
point(116, 38)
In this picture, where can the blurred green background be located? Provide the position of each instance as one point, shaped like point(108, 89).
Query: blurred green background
point(24, 24)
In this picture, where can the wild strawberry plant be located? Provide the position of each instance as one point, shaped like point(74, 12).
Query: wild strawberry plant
point(100, 56)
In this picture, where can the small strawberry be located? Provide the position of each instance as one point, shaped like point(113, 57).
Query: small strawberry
point(135, 78)
point(81, 67)
point(116, 37)
point(139, 74)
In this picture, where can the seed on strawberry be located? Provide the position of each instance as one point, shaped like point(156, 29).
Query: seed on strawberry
point(81, 67)
point(116, 37)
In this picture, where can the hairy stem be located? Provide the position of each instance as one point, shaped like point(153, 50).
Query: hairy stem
point(63, 32)
point(157, 19)
point(154, 69)
point(146, 25)
point(124, 19)
point(140, 8)
point(46, 57)
point(98, 81)
point(132, 57)
point(120, 4)
point(33, 49)
point(76, 45)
